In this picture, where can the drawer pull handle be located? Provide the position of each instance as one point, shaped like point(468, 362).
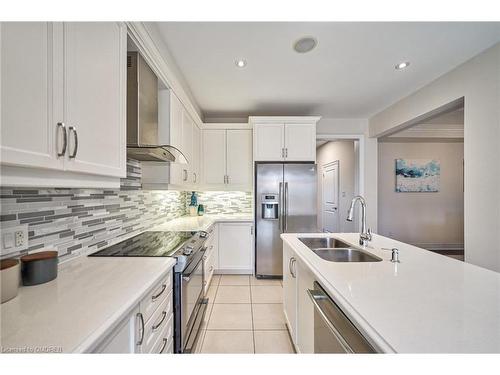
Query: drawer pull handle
point(155, 297)
point(164, 315)
point(164, 345)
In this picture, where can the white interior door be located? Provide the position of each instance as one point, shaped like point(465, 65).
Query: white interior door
point(330, 197)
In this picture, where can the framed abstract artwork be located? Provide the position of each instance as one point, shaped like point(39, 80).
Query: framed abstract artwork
point(417, 175)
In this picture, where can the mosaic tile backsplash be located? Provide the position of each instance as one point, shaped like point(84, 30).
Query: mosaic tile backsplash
point(75, 221)
point(224, 202)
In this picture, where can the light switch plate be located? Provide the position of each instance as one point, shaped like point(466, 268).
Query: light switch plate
point(14, 239)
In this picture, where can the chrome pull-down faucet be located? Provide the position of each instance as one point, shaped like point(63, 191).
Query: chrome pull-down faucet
point(365, 235)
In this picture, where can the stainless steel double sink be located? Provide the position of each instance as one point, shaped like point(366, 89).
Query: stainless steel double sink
point(335, 250)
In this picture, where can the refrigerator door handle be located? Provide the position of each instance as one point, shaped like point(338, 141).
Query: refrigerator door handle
point(280, 202)
point(286, 208)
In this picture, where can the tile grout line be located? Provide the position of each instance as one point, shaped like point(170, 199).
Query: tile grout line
point(251, 314)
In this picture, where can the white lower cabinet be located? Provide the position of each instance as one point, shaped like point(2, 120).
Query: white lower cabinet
point(122, 338)
point(149, 328)
point(235, 248)
point(210, 257)
point(305, 309)
point(290, 292)
point(298, 308)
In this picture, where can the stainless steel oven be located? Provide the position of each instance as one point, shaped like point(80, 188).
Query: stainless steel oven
point(333, 331)
point(189, 304)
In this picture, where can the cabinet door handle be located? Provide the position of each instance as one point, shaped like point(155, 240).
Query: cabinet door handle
point(194, 177)
point(227, 178)
point(155, 297)
point(286, 152)
point(165, 340)
point(60, 125)
point(158, 325)
point(251, 230)
point(291, 267)
point(141, 318)
point(72, 129)
point(282, 152)
point(185, 177)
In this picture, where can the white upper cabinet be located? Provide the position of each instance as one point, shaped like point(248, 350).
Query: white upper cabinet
point(284, 138)
point(187, 146)
point(227, 158)
point(29, 115)
point(239, 157)
point(300, 142)
point(175, 128)
point(95, 97)
point(63, 102)
point(214, 156)
point(269, 142)
point(195, 170)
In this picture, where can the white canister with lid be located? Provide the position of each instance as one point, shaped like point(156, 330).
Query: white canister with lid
point(10, 272)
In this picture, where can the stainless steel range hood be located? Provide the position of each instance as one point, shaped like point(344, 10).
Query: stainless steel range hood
point(142, 115)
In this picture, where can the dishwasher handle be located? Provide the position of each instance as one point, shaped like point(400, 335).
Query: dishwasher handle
point(317, 295)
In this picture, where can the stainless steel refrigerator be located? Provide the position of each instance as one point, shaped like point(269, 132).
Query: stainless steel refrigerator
point(285, 201)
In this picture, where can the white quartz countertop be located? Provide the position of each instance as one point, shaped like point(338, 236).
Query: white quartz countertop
point(427, 303)
point(83, 304)
point(197, 223)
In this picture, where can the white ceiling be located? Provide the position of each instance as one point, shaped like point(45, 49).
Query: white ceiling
point(350, 74)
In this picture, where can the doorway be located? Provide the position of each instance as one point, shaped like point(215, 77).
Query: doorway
point(338, 183)
point(424, 210)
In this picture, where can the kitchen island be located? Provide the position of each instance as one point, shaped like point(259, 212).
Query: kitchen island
point(427, 303)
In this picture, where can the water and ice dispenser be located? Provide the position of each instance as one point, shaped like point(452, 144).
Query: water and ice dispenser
point(270, 206)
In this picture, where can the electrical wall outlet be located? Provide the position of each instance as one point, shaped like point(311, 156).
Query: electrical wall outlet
point(19, 238)
point(14, 239)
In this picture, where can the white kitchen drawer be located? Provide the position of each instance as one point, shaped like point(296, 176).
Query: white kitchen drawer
point(209, 269)
point(164, 343)
point(155, 327)
point(155, 297)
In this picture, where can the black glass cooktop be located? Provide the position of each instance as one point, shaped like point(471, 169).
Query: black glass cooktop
point(148, 244)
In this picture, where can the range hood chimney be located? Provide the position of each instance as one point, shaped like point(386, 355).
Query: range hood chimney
point(142, 115)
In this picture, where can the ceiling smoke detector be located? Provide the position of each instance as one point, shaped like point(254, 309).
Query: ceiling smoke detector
point(305, 44)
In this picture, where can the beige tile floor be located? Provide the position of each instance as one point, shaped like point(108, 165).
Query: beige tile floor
point(245, 315)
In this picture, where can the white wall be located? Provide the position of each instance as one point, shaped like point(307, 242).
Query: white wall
point(368, 155)
point(422, 219)
point(478, 81)
point(344, 152)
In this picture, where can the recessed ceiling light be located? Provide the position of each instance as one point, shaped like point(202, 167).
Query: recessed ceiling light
point(240, 63)
point(402, 65)
point(305, 44)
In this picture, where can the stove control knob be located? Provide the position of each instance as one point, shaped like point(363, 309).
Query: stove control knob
point(188, 250)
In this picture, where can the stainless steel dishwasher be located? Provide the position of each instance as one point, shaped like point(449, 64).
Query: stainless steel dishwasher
point(333, 331)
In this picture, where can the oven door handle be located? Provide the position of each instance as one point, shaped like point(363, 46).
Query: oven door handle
point(187, 276)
